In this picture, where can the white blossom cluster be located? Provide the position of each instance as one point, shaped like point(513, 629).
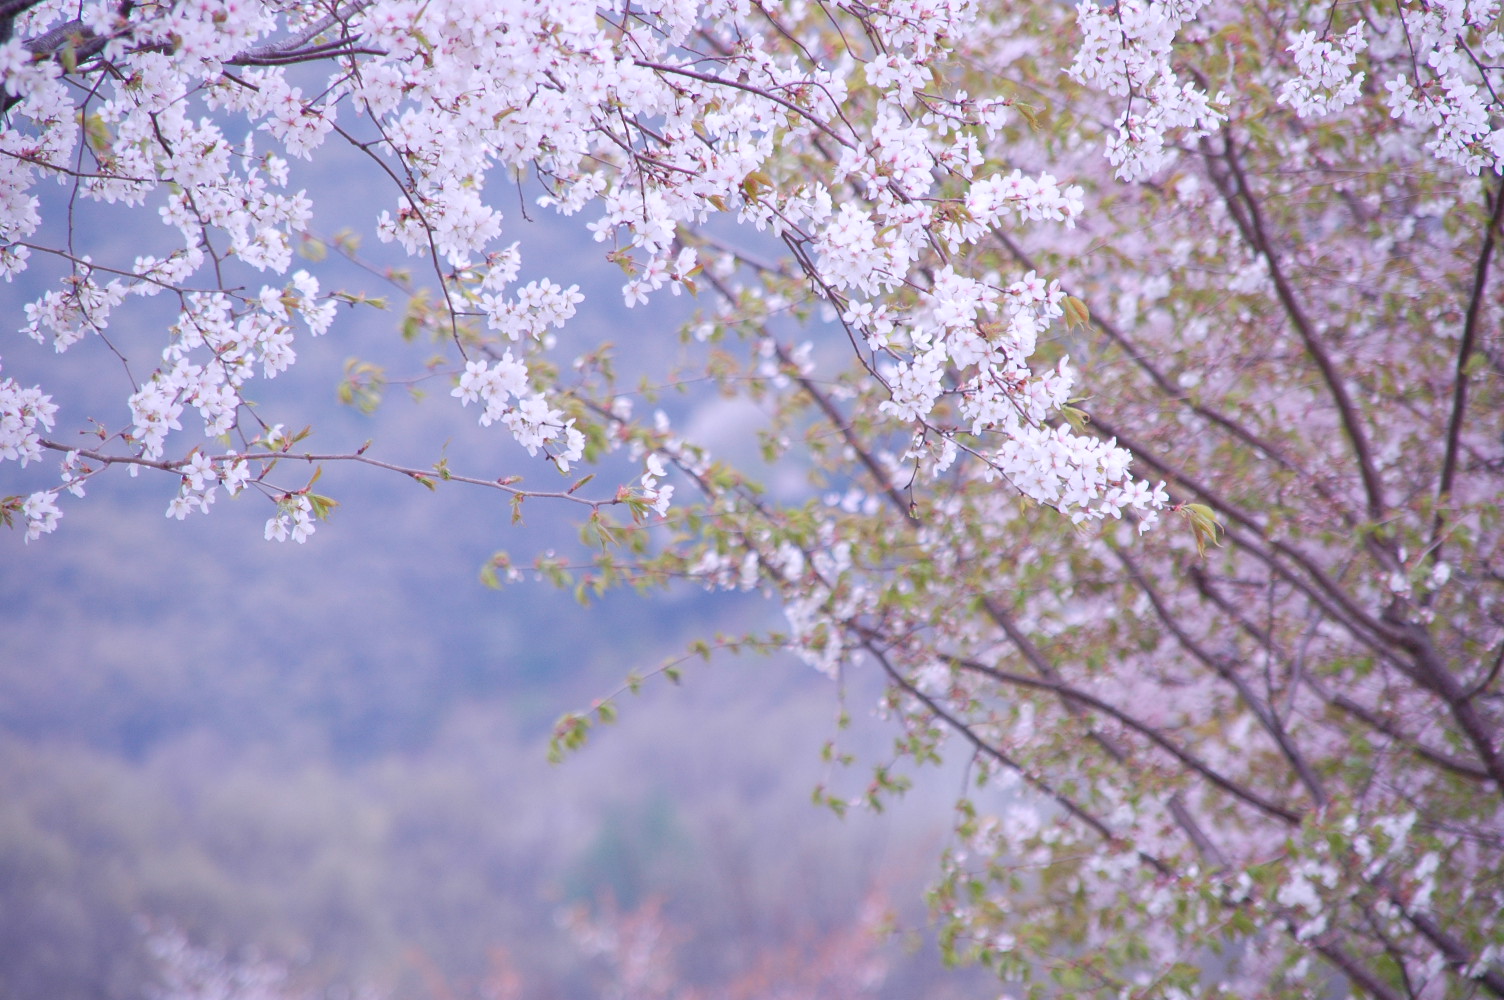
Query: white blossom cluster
point(1437, 63)
point(1326, 83)
point(611, 112)
point(191, 111)
point(1127, 50)
point(1451, 94)
point(22, 412)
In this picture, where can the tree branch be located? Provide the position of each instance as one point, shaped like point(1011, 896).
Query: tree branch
point(1460, 377)
point(1252, 226)
point(987, 749)
point(1153, 735)
point(268, 457)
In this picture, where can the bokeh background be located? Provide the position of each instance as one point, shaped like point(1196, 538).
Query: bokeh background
point(320, 770)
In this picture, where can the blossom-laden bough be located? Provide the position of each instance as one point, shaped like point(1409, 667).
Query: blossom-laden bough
point(1260, 757)
point(654, 121)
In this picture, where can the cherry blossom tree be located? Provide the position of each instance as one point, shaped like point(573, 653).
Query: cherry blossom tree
point(1254, 751)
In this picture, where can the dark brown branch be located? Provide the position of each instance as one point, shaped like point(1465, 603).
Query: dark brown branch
point(331, 50)
point(722, 81)
point(1251, 223)
point(843, 427)
point(1079, 697)
point(10, 8)
point(1460, 378)
point(1456, 953)
point(1377, 634)
point(1437, 676)
point(278, 51)
point(1376, 721)
point(986, 749)
point(1370, 983)
point(1221, 668)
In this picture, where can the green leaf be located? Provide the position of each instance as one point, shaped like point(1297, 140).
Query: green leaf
point(1030, 114)
point(571, 732)
point(322, 506)
point(1077, 418)
point(1204, 526)
point(755, 183)
point(97, 133)
point(1076, 312)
